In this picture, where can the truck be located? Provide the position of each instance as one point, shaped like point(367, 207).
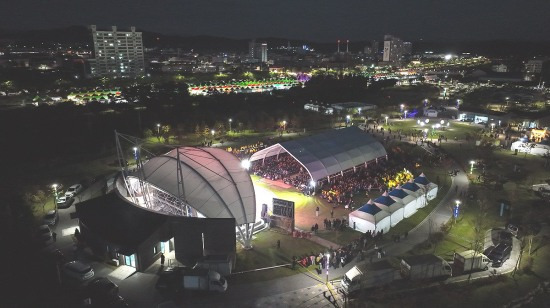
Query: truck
point(204, 279)
point(175, 280)
point(470, 261)
point(425, 267)
point(219, 263)
point(368, 275)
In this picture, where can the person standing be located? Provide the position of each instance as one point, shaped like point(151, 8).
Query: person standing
point(162, 259)
point(332, 213)
point(317, 212)
point(278, 244)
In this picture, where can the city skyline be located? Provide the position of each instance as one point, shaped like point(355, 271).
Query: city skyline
point(353, 19)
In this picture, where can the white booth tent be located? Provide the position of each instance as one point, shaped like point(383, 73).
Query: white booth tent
point(532, 148)
point(429, 187)
point(412, 189)
point(394, 207)
point(408, 200)
point(328, 153)
point(370, 217)
point(214, 183)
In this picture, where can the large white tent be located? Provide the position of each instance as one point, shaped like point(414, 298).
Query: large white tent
point(328, 153)
point(429, 187)
point(370, 217)
point(408, 201)
point(412, 189)
point(392, 206)
point(214, 183)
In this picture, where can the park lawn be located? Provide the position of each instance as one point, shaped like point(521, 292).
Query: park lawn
point(344, 237)
point(266, 254)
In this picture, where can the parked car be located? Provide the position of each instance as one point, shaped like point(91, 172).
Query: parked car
point(73, 190)
point(50, 218)
point(505, 237)
point(512, 229)
point(64, 202)
point(500, 254)
point(102, 292)
point(78, 270)
point(44, 235)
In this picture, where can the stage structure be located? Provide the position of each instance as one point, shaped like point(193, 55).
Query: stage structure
point(189, 182)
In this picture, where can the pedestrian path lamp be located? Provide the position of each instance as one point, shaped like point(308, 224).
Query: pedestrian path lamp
point(327, 264)
point(230, 121)
point(455, 210)
point(386, 120)
point(472, 163)
point(54, 186)
point(158, 129)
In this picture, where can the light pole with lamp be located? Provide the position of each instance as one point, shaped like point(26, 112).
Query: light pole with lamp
point(54, 186)
point(456, 209)
point(405, 114)
point(284, 125)
point(213, 133)
point(386, 120)
point(158, 129)
point(472, 166)
point(230, 121)
point(328, 264)
point(348, 119)
point(135, 154)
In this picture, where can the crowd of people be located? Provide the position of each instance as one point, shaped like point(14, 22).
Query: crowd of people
point(246, 151)
point(284, 167)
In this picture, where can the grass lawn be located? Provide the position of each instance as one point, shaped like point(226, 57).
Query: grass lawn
point(340, 237)
point(265, 254)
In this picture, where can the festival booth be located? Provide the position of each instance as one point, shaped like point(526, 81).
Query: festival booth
point(370, 217)
point(408, 201)
point(429, 187)
point(412, 189)
point(395, 208)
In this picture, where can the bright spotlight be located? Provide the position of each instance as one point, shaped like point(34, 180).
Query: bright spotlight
point(448, 57)
point(312, 183)
point(245, 164)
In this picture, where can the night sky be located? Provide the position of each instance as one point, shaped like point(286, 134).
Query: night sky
point(319, 20)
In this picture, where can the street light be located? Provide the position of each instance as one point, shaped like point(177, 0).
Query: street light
point(402, 106)
point(213, 132)
point(135, 153)
point(158, 128)
point(405, 114)
point(442, 122)
point(328, 263)
point(472, 166)
point(456, 209)
point(359, 111)
point(284, 125)
point(492, 126)
point(230, 120)
point(54, 186)
point(386, 120)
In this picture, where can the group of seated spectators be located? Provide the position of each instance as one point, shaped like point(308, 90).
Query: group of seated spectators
point(282, 168)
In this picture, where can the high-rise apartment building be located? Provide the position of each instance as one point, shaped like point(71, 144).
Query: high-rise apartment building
point(393, 49)
point(407, 48)
point(257, 51)
point(117, 53)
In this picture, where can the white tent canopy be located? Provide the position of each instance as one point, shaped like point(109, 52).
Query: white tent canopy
point(429, 187)
point(214, 182)
point(408, 200)
point(412, 189)
point(328, 153)
point(370, 217)
point(392, 206)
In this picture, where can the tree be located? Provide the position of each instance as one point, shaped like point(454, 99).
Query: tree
point(147, 133)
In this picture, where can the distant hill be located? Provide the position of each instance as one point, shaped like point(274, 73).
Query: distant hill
point(205, 43)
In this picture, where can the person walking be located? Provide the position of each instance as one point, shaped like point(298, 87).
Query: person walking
point(278, 244)
point(332, 213)
point(317, 212)
point(162, 257)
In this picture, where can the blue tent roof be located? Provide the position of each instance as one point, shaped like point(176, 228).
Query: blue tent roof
point(370, 208)
point(422, 180)
point(329, 152)
point(410, 186)
point(399, 193)
point(385, 200)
